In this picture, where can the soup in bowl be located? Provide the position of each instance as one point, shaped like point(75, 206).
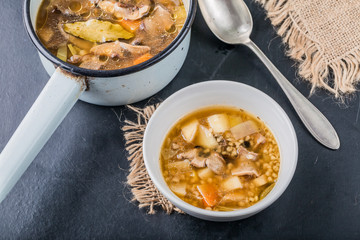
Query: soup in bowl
point(220, 150)
point(220, 158)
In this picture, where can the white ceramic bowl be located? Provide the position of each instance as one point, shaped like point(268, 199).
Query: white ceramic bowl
point(220, 93)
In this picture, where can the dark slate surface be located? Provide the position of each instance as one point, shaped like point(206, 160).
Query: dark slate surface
point(75, 187)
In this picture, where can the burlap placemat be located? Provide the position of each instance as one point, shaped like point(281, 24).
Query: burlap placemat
point(142, 188)
point(324, 37)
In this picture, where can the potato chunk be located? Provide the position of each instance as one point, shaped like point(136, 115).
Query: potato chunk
point(62, 53)
point(231, 183)
point(97, 31)
point(233, 197)
point(45, 33)
point(205, 173)
point(179, 189)
point(188, 131)
point(219, 122)
point(205, 138)
point(260, 181)
point(182, 166)
point(180, 16)
point(244, 129)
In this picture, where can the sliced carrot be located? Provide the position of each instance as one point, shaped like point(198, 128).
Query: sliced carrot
point(210, 194)
point(142, 58)
point(129, 25)
point(205, 203)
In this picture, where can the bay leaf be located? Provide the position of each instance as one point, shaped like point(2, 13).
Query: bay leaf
point(97, 31)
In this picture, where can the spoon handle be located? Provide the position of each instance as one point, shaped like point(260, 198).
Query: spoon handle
point(313, 119)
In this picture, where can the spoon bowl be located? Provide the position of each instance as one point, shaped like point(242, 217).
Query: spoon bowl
point(232, 23)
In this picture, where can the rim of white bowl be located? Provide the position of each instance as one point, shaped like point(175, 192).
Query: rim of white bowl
point(261, 205)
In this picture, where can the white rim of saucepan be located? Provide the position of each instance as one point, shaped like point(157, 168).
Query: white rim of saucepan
point(267, 201)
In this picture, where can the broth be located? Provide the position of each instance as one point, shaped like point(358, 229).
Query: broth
point(108, 34)
point(220, 158)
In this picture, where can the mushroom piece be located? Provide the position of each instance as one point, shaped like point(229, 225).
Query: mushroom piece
point(159, 22)
point(178, 144)
point(53, 36)
point(259, 139)
point(244, 154)
point(72, 7)
point(154, 30)
point(90, 61)
point(245, 168)
point(119, 49)
point(199, 159)
point(126, 10)
point(216, 163)
point(45, 34)
point(198, 162)
point(190, 154)
point(194, 156)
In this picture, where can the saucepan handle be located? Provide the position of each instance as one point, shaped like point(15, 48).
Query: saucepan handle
point(53, 104)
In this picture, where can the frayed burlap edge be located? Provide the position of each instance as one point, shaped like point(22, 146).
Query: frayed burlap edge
point(338, 77)
point(142, 188)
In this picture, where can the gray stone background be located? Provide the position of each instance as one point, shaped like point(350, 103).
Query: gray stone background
point(75, 187)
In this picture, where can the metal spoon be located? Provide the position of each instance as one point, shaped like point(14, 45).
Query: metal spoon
point(231, 22)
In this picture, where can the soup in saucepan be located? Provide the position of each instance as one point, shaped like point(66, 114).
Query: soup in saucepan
point(220, 158)
point(108, 34)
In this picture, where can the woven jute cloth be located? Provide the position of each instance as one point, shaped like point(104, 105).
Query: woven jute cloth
point(142, 188)
point(324, 37)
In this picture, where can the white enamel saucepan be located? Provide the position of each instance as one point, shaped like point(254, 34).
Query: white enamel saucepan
point(68, 83)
